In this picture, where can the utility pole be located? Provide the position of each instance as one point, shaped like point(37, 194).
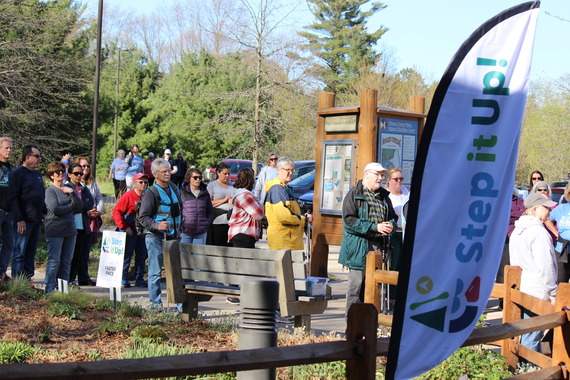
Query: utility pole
point(96, 90)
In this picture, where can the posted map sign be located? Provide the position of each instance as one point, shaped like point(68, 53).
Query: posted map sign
point(110, 271)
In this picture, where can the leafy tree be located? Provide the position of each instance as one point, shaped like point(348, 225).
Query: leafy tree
point(45, 70)
point(543, 144)
point(138, 78)
point(340, 40)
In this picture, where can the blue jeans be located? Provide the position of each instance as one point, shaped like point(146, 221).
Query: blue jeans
point(7, 227)
point(155, 262)
point(60, 253)
point(532, 340)
point(137, 245)
point(25, 246)
point(196, 239)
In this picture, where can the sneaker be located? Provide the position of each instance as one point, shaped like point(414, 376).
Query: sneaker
point(232, 300)
point(157, 308)
point(284, 320)
point(141, 284)
point(5, 278)
point(126, 284)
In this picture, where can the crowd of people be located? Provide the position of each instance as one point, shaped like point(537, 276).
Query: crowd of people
point(175, 203)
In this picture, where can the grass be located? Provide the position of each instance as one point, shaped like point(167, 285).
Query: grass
point(15, 352)
point(20, 288)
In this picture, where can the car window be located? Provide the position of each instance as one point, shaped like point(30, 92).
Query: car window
point(306, 179)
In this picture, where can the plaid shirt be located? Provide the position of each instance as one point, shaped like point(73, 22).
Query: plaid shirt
point(377, 212)
point(246, 216)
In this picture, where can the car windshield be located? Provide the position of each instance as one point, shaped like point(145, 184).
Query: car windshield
point(304, 180)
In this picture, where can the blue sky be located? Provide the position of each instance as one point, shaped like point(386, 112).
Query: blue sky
point(426, 34)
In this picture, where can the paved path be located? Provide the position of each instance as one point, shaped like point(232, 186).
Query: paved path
point(330, 322)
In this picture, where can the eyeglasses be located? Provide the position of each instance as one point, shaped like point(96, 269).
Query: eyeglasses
point(537, 178)
point(58, 171)
point(77, 173)
point(142, 182)
point(288, 170)
point(397, 179)
point(38, 156)
point(542, 190)
point(273, 159)
point(199, 178)
point(86, 166)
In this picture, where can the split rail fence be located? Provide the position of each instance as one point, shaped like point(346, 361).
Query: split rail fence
point(507, 335)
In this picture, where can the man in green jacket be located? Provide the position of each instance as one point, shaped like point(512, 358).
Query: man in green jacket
point(368, 219)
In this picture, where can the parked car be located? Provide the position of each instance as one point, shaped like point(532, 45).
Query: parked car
point(306, 202)
point(558, 191)
point(303, 167)
point(235, 166)
point(302, 184)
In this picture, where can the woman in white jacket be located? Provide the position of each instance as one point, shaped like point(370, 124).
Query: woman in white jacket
point(531, 248)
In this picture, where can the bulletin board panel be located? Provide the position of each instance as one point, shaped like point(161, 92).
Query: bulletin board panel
point(338, 164)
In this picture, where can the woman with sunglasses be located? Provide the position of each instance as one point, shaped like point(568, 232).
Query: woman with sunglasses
point(266, 174)
point(62, 203)
point(543, 188)
point(80, 262)
point(221, 193)
point(399, 195)
point(535, 176)
point(197, 209)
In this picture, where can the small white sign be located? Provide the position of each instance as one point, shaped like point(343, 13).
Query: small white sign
point(63, 285)
point(111, 261)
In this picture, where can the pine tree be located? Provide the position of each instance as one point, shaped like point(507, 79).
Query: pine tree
point(340, 40)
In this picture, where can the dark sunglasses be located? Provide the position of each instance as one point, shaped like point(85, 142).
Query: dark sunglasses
point(77, 173)
point(542, 190)
point(537, 178)
point(38, 156)
point(397, 179)
point(58, 171)
point(197, 177)
point(86, 166)
point(143, 182)
point(273, 159)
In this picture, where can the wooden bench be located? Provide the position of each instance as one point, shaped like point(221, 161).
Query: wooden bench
point(195, 273)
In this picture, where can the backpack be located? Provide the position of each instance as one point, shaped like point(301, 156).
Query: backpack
point(141, 230)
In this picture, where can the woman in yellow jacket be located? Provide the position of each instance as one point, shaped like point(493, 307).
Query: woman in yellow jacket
point(286, 224)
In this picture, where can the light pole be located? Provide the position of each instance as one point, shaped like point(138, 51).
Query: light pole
point(117, 82)
point(96, 94)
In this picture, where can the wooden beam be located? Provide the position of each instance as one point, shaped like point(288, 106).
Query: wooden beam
point(523, 326)
point(545, 373)
point(533, 304)
point(561, 339)
point(183, 365)
point(362, 329)
point(511, 312)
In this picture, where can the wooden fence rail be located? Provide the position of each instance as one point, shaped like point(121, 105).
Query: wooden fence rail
point(507, 335)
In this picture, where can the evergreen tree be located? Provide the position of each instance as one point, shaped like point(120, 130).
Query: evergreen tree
point(45, 74)
point(340, 40)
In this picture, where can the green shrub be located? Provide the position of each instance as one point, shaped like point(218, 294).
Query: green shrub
point(77, 297)
point(154, 333)
point(103, 304)
point(332, 371)
point(132, 310)
point(15, 352)
point(474, 362)
point(119, 325)
point(21, 288)
point(162, 318)
point(58, 309)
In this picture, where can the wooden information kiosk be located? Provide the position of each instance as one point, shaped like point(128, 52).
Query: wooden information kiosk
point(347, 139)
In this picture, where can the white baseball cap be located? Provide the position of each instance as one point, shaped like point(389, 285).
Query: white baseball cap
point(167, 151)
point(375, 167)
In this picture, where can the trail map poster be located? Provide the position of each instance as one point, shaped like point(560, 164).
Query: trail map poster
point(397, 144)
point(338, 165)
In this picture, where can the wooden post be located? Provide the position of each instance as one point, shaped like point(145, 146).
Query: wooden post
point(561, 340)
point(320, 249)
point(511, 313)
point(367, 130)
point(361, 329)
point(371, 287)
